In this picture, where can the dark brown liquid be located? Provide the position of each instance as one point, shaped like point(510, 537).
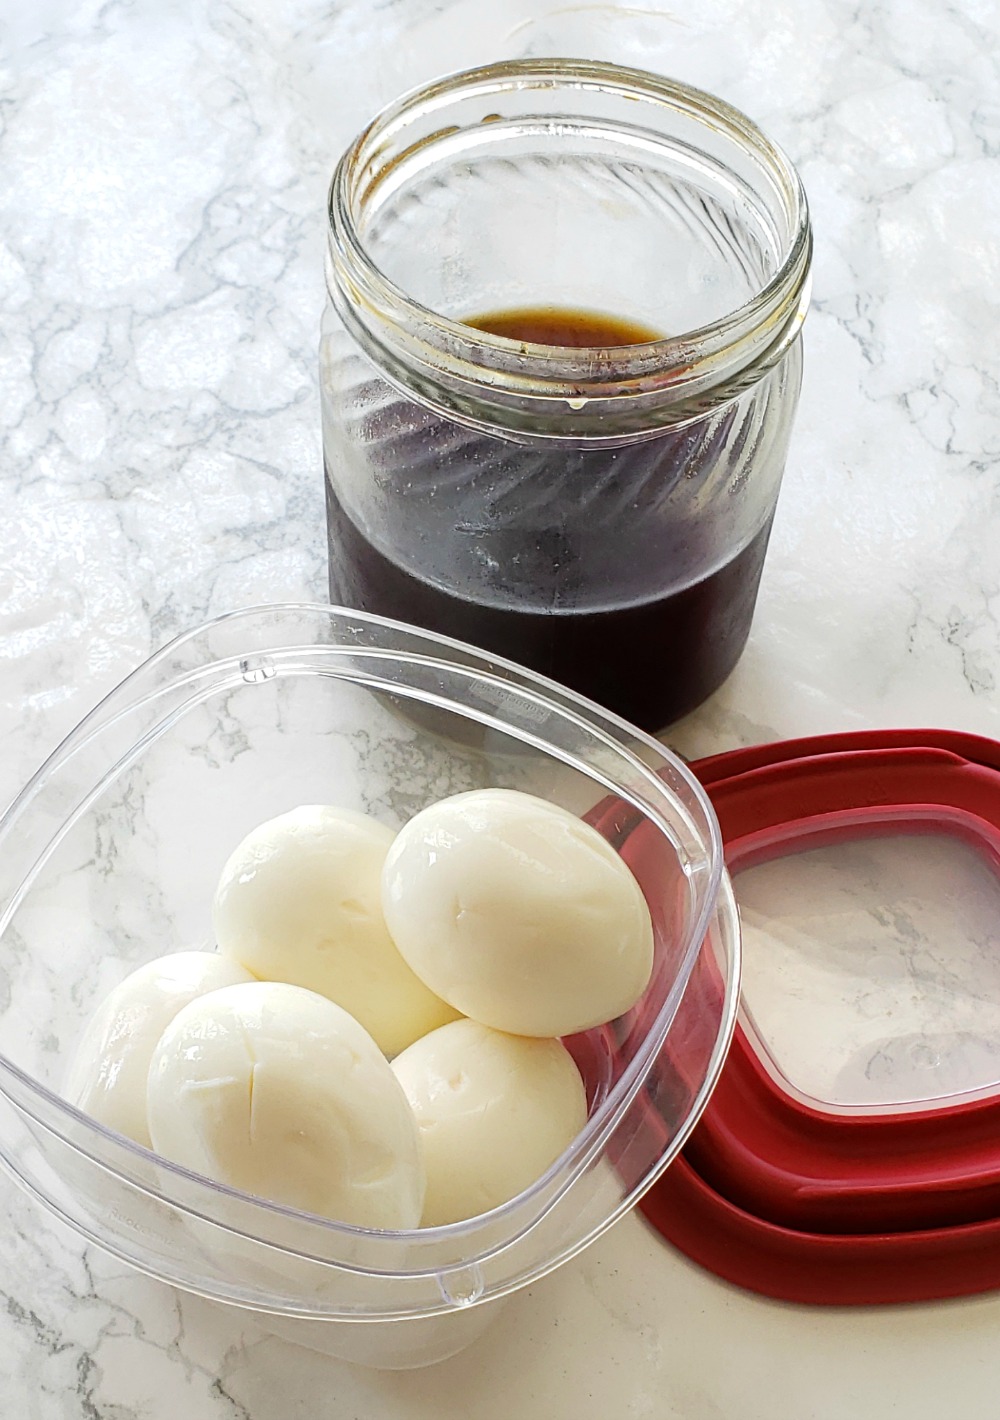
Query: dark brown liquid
point(551, 325)
point(650, 661)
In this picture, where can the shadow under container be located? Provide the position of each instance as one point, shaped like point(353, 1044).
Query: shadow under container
point(110, 856)
point(602, 513)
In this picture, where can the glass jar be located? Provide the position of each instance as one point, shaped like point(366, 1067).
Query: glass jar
point(599, 513)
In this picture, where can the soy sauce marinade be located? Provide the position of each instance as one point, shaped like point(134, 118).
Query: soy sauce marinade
point(651, 660)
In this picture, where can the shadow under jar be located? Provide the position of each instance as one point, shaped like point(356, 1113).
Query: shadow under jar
point(559, 367)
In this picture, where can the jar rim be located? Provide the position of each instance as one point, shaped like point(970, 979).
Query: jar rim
point(689, 372)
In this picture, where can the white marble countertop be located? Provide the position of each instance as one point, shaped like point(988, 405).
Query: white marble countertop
point(164, 171)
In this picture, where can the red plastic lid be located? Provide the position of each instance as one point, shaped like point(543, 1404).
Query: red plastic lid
point(813, 1199)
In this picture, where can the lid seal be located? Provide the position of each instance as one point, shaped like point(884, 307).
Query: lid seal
point(802, 1200)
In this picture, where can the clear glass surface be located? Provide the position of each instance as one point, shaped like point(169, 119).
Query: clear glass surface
point(576, 509)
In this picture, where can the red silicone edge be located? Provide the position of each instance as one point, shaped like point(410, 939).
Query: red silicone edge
point(775, 1190)
point(814, 1268)
point(975, 748)
point(800, 1166)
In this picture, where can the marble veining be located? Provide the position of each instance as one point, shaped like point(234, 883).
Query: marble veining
point(161, 236)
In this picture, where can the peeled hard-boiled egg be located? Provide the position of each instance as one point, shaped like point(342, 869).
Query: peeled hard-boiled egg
point(494, 1111)
point(299, 901)
point(277, 1091)
point(517, 913)
point(107, 1077)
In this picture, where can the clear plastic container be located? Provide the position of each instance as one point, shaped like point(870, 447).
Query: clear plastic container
point(872, 976)
point(110, 856)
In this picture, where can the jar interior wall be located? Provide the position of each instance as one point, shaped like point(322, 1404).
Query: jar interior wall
point(572, 216)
